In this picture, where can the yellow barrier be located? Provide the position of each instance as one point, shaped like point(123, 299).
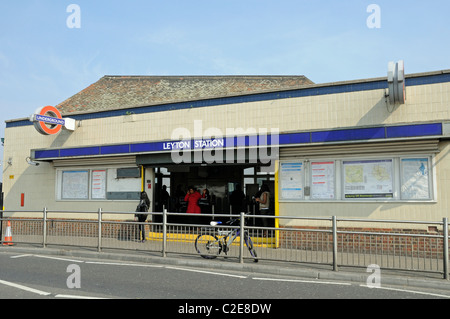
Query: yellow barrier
point(265, 242)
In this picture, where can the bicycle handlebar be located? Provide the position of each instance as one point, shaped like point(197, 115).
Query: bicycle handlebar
point(230, 222)
point(215, 223)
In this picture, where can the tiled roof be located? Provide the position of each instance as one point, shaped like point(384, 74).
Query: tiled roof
point(117, 92)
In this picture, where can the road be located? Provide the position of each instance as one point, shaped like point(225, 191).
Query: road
point(35, 276)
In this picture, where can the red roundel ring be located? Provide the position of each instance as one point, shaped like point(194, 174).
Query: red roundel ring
point(52, 112)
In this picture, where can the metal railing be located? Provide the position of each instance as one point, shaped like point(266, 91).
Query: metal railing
point(332, 241)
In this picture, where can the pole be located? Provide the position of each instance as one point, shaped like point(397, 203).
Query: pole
point(1, 227)
point(1, 216)
point(99, 229)
point(164, 247)
point(44, 228)
point(335, 239)
point(241, 242)
point(445, 247)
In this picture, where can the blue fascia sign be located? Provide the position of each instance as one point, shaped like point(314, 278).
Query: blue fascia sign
point(259, 141)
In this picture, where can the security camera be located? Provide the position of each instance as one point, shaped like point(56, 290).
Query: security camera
point(30, 162)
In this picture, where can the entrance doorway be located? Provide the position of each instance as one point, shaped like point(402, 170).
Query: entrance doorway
point(221, 181)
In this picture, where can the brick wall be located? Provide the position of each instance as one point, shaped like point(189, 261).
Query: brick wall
point(361, 241)
point(79, 228)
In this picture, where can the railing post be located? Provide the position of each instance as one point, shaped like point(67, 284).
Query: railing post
point(445, 247)
point(1, 226)
point(335, 242)
point(164, 243)
point(44, 228)
point(99, 229)
point(241, 242)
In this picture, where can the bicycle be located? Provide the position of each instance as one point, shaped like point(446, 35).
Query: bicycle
point(209, 246)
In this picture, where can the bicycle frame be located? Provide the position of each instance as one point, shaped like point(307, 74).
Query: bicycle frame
point(227, 234)
point(223, 241)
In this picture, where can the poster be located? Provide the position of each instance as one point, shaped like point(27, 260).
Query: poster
point(98, 188)
point(291, 180)
point(322, 180)
point(75, 184)
point(415, 178)
point(368, 179)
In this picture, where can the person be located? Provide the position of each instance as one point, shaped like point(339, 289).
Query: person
point(237, 200)
point(205, 207)
point(164, 198)
point(205, 194)
point(178, 198)
point(192, 197)
point(264, 205)
point(144, 204)
point(205, 201)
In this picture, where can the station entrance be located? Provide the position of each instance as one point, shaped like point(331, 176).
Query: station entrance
point(230, 189)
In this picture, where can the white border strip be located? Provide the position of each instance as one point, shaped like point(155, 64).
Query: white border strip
point(35, 291)
point(409, 291)
point(206, 272)
point(304, 281)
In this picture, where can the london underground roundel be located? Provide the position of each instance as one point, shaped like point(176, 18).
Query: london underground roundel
point(48, 120)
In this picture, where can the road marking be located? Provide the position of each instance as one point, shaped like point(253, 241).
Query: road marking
point(48, 257)
point(408, 291)
point(88, 262)
point(77, 297)
point(122, 264)
point(35, 291)
point(58, 258)
point(20, 256)
point(304, 281)
point(206, 272)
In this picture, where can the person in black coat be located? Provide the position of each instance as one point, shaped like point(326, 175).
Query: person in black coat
point(143, 207)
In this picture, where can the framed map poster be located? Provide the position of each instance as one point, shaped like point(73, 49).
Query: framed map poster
point(75, 185)
point(368, 179)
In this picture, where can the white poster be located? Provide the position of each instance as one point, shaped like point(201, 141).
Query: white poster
point(98, 188)
point(75, 184)
point(291, 180)
point(415, 178)
point(322, 180)
point(368, 179)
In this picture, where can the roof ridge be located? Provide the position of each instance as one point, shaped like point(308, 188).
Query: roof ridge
point(204, 76)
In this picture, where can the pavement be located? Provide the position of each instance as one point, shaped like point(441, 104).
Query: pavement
point(400, 278)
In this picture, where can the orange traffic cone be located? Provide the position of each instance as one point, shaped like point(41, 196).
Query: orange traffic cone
point(8, 236)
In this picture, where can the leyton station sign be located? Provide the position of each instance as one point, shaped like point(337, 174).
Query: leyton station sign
point(48, 121)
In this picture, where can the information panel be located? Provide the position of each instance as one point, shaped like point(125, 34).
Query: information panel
point(368, 179)
point(75, 184)
point(322, 180)
point(415, 178)
point(291, 180)
point(98, 188)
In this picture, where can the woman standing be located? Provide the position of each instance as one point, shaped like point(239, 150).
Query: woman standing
point(192, 197)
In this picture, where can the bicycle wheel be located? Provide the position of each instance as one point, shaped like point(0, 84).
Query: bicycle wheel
point(208, 246)
point(249, 243)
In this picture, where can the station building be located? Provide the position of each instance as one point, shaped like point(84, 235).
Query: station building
point(345, 149)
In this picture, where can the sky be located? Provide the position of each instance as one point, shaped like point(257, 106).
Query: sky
point(49, 51)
